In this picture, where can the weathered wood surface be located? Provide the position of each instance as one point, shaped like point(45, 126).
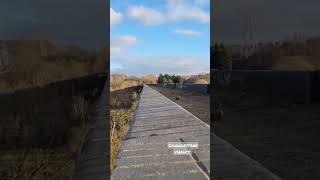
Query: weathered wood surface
point(144, 153)
point(231, 164)
point(93, 162)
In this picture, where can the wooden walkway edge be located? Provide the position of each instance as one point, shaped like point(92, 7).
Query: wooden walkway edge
point(231, 164)
point(144, 153)
point(93, 161)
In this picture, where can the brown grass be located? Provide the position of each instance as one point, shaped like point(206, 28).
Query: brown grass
point(297, 63)
point(51, 162)
point(116, 85)
point(123, 104)
point(203, 78)
point(62, 120)
point(291, 54)
point(122, 80)
point(32, 68)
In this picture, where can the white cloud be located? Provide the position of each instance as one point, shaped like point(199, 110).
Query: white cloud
point(187, 32)
point(182, 10)
point(156, 65)
point(120, 44)
point(115, 18)
point(175, 11)
point(146, 16)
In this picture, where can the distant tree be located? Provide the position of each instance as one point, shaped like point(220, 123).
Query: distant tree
point(167, 76)
point(173, 78)
point(179, 79)
point(176, 79)
point(160, 78)
point(165, 80)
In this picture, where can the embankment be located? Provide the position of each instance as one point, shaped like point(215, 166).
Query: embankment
point(44, 115)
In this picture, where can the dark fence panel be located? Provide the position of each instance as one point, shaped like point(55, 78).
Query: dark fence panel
point(300, 86)
point(201, 88)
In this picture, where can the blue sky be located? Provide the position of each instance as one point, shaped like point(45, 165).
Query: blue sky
point(160, 36)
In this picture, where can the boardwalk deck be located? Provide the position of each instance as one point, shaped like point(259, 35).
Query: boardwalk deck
point(144, 153)
point(93, 162)
point(231, 164)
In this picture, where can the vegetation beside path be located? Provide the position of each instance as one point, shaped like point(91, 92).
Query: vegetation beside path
point(122, 106)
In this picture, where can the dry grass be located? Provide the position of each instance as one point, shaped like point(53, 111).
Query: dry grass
point(37, 164)
point(116, 85)
point(47, 72)
point(79, 110)
point(201, 81)
point(120, 119)
point(121, 81)
point(203, 78)
point(51, 162)
point(45, 163)
point(290, 54)
point(297, 63)
point(63, 121)
point(30, 68)
point(123, 104)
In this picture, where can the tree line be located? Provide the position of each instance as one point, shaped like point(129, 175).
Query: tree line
point(169, 79)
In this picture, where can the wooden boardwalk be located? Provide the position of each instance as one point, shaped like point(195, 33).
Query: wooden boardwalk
point(144, 153)
point(231, 164)
point(93, 163)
